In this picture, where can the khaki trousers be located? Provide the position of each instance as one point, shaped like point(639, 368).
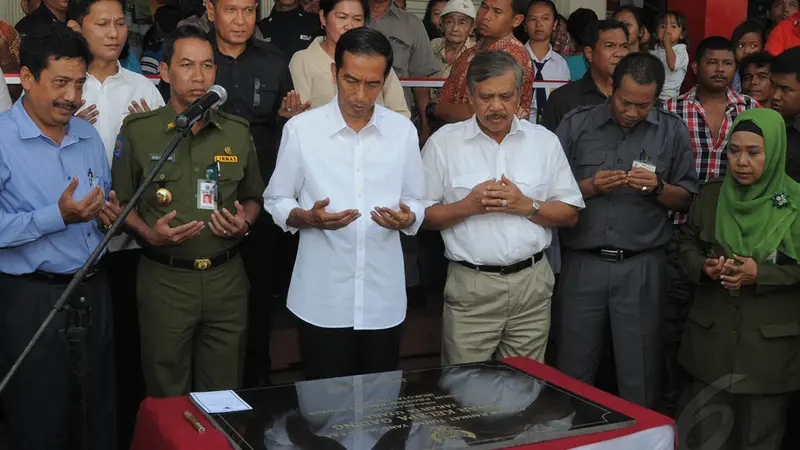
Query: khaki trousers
point(192, 326)
point(489, 315)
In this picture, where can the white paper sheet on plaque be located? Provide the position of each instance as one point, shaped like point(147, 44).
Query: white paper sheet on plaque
point(216, 402)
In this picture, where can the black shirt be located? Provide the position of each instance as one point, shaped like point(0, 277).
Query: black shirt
point(256, 82)
point(793, 149)
point(583, 92)
point(41, 17)
point(290, 31)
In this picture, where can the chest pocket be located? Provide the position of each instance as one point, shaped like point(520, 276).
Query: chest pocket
point(265, 97)
point(402, 55)
point(587, 163)
point(462, 185)
point(231, 172)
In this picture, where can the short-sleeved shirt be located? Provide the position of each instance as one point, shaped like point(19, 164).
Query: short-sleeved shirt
point(455, 90)
point(624, 218)
point(41, 17)
point(225, 138)
point(583, 92)
point(290, 31)
point(413, 55)
point(256, 82)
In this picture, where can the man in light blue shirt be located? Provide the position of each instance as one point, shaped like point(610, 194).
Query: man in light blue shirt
point(54, 185)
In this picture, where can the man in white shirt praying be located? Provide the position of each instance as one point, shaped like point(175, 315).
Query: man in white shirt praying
point(498, 184)
point(111, 93)
point(349, 176)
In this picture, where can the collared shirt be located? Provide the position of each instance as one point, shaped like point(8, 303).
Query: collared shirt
point(440, 50)
point(41, 17)
point(583, 92)
point(709, 155)
point(793, 149)
point(413, 55)
point(311, 76)
point(351, 277)
point(555, 69)
point(290, 31)
point(5, 97)
point(460, 156)
point(624, 218)
point(256, 82)
point(225, 139)
point(34, 172)
point(113, 97)
point(455, 90)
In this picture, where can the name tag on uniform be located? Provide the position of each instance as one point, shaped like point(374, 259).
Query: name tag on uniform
point(157, 156)
point(305, 37)
point(644, 165)
point(226, 158)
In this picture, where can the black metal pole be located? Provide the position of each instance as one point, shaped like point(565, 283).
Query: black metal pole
point(78, 277)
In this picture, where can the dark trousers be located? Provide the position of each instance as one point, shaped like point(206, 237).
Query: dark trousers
point(680, 293)
point(341, 352)
point(122, 266)
point(268, 255)
point(41, 402)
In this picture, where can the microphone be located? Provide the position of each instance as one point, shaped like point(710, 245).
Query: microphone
point(216, 96)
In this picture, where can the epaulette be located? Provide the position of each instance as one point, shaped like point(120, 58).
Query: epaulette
point(234, 118)
point(578, 110)
point(137, 116)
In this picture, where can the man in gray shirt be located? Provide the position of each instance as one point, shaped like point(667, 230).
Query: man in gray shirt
point(634, 163)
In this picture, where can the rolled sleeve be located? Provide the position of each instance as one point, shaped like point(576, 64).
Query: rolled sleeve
point(413, 194)
point(683, 172)
point(280, 196)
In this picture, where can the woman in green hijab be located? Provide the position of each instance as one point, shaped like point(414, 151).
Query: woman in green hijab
point(740, 246)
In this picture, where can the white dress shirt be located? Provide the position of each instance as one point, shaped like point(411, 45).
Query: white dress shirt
point(113, 96)
point(5, 97)
point(555, 69)
point(354, 276)
point(460, 156)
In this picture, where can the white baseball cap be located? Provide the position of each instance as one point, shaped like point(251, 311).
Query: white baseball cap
point(464, 7)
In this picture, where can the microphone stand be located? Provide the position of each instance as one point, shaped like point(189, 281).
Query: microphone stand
point(76, 333)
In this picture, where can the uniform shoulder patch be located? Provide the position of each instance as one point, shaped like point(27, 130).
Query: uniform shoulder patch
point(119, 144)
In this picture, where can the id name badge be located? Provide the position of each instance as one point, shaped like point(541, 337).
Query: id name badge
point(637, 164)
point(207, 195)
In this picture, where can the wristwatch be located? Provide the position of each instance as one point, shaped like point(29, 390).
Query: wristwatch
point(536, 207)
point(249, 227)
point(657, 190)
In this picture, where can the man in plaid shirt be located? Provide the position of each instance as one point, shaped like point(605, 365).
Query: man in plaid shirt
point(708, 109)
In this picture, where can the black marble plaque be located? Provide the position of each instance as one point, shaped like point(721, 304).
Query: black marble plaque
point(478, 406)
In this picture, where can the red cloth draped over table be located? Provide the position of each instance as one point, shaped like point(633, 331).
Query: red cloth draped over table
point(161, 425)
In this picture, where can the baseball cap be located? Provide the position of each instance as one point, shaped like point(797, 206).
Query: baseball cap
point(460, 6)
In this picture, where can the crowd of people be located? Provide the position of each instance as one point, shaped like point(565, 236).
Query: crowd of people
point(632, 233)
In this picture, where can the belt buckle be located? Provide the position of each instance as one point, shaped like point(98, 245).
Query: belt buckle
point(202, 264)
point(611, 255)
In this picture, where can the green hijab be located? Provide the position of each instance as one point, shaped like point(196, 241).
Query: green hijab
point(754, 221)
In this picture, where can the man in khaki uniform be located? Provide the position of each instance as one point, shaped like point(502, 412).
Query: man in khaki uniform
point(192, 288)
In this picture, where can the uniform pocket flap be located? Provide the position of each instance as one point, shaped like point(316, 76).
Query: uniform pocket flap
point(781, 330)
point(701, 318)
point(170, 172)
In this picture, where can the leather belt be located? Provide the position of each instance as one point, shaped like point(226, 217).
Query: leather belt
point(615, 255)
point(59, 278)
point(505, 270)
point(191, 264)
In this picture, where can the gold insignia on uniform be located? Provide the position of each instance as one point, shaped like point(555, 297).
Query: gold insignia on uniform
point(226, 159)
point(163, 197)
point(228, 150)
point(170, 125)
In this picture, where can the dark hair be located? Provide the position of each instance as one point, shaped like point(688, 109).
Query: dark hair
point(326, 6)
point(53, 42)
point(760, 59)
point(433, 32)
point(544, 2)
point(636, 12)
point(363, 41)
point(167, 17)
point(77, 10)
point(787, 62)
point(578, 22)
point(592, 34)
point(643, 68)
point(182, 32)
point(747, 27)
point(680, 18)
point(491, 64)
point(519, 7)
point(712, 43)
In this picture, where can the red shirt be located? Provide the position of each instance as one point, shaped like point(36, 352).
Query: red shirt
point(455, 89)
point(784, 36)
point(10, 35)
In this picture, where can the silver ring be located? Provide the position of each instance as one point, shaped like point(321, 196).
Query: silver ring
point(224, 232)
point(504, 203)
point(644, 188)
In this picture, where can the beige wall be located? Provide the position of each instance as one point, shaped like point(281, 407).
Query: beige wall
point(10, 11)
